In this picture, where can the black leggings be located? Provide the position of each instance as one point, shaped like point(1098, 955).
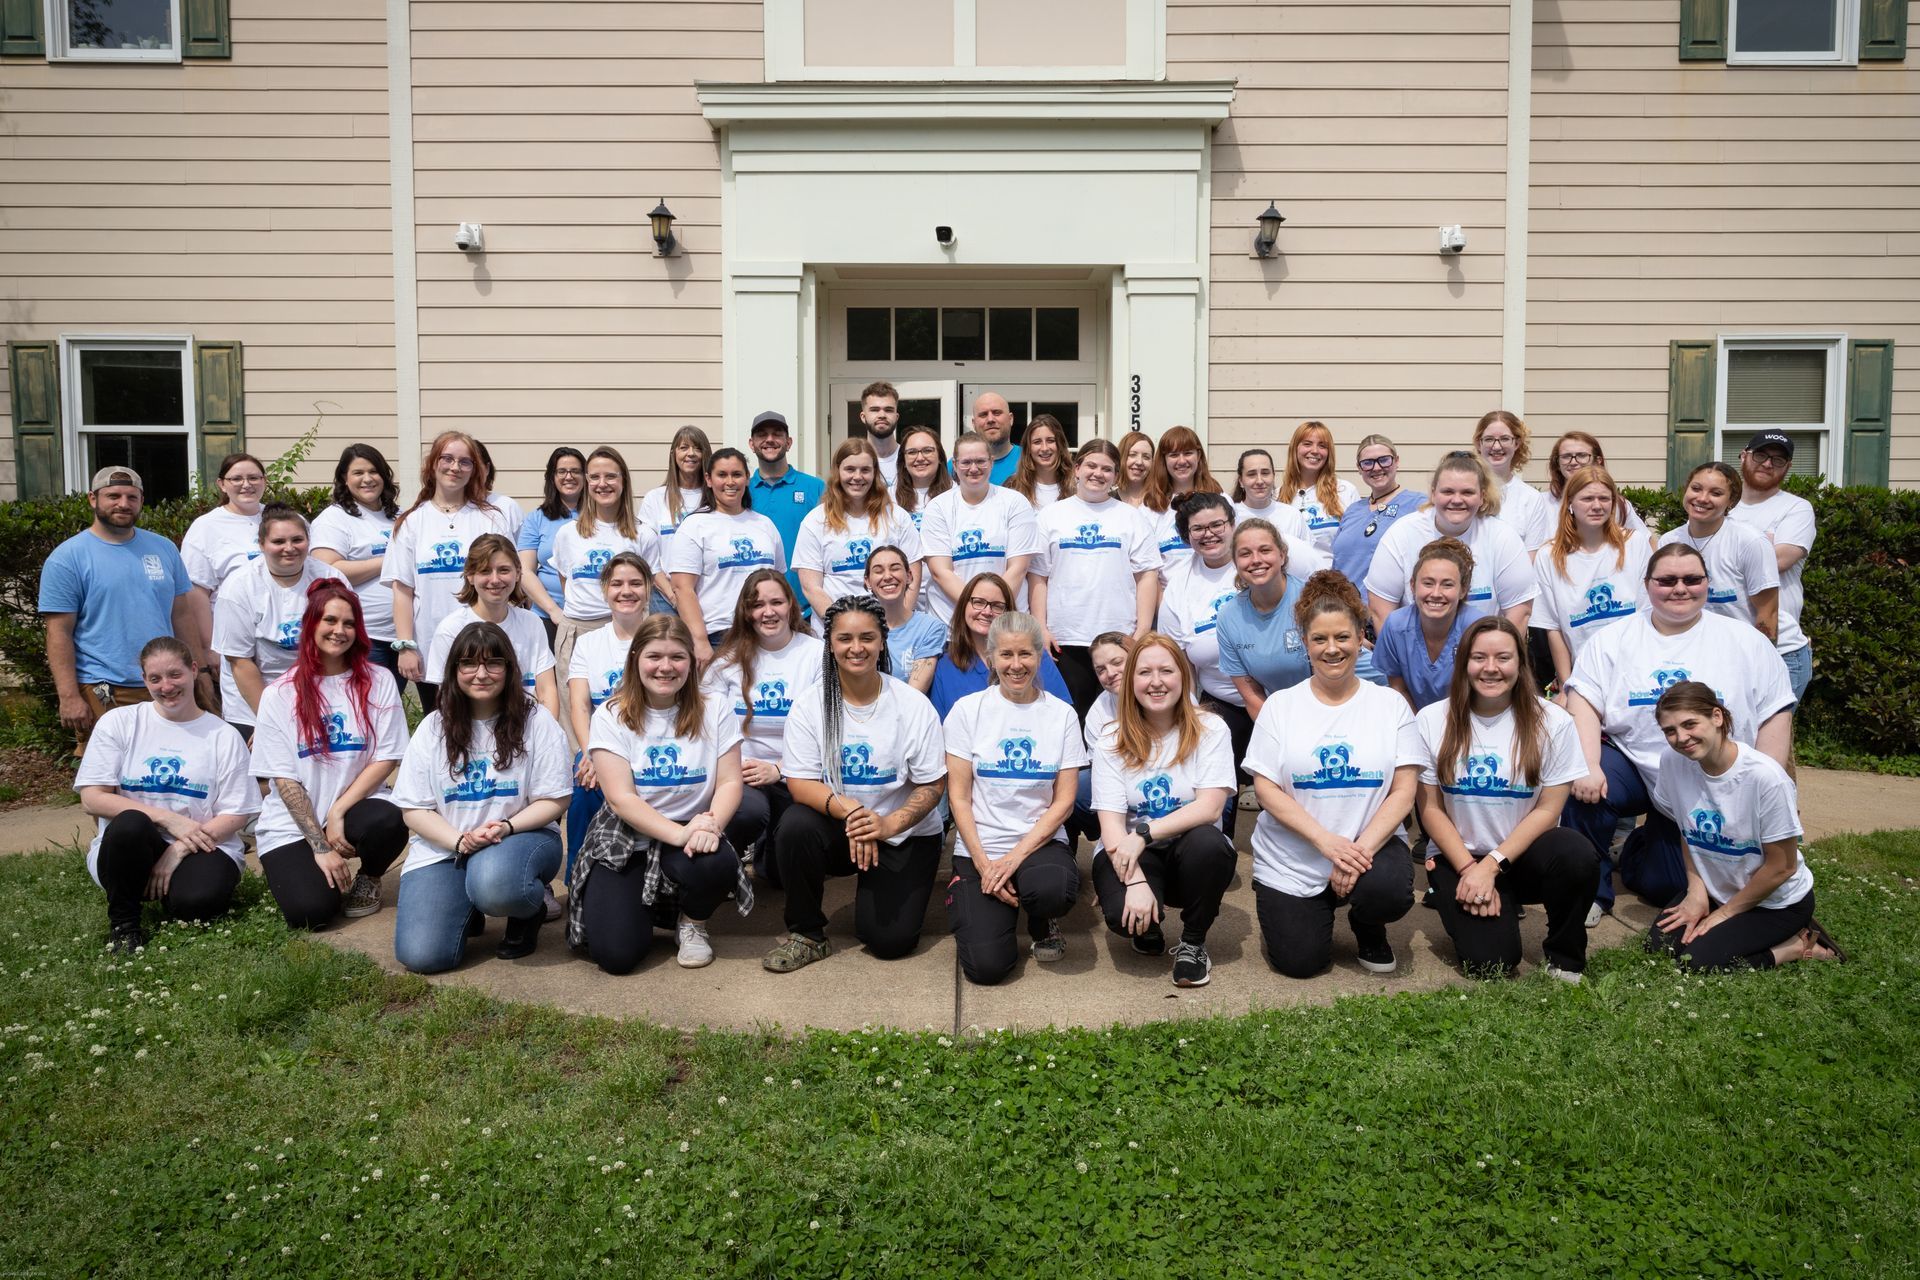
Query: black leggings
point(377, 832)
point(201, 886)
point(762, 808)
point(1559, 870)
point(619, 926)
point(1297, 933)
point(1240, 733)
point(1747, 940)
point(890, 903)
point(1047, 884)
point(1191, 871)
point(1076, 668)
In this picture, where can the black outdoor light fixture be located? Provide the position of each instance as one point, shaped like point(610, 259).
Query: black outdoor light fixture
point(1269, 233)
point(662, 219)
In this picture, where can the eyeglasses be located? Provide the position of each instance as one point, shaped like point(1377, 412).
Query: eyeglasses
point(1377, 464)
point(468, 666)
point(453, 463)
point(1678, 579)
point(1574, 460)
point(568, 473)
point(1498, 440)
point(1211, 527)
point(921, 454)
point(1771, 461)
point(992, 608)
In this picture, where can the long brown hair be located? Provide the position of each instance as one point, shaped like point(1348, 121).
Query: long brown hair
point(959, 638)
point(1026, 474)
point(741, 645)
point(479, 556)
point(479, 640)
point(1529, 711)
point(1123, 448)
point(629, 701)
point(1133, 739)
point(1692, 695)
point(1293, 480)
point(699, 437)
point(905, 496)
point(1566, 539)
point(589, 519)
point(1160, 484)
point(834, 502)
point(475, 494)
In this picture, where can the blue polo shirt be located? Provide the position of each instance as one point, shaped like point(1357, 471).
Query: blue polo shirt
point(121, 595)
point(1264, 647)
point(786, 502)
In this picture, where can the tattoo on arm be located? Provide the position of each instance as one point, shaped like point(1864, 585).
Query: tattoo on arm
point(300, 809)
point(920, 803)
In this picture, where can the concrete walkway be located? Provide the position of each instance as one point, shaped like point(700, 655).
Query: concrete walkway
point(1100, 982)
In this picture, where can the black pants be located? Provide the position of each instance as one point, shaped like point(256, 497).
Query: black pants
point(620, 926)
point(762, 808)
point(1240, 732)
point(1747, 940)
point(1559, 871)
point(201, 887)
point(377, 833)
point(1297, 933)
point(429, 696)
point(890, 903)
point(1540, 655)
point(1076, 668)
point(984, 927)
point(1191, 871)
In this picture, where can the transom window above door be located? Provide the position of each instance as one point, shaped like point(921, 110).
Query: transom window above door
point(963, 333)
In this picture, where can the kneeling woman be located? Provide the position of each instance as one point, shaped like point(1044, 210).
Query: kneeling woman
point(1749, 894)
point(1162, 773)
point(482, 786)
point(865, 764)
point(170, 786)
point(331, 731)
point(668, 759)
point(1334, 761)
point(1500, 761)
point(1014, 755)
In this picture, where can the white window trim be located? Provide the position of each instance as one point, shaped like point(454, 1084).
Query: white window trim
point(73, 433)
point(1832, 431)
point(1846, 54)
point(785, 35)
point(59, 48)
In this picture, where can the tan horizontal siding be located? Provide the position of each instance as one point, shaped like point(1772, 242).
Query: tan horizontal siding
point(1680, 200)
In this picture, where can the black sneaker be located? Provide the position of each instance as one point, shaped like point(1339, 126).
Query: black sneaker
point(1376, 956)
point(1192, 966)
point(125, 939)
point(1050, 948)
point(1151, 943)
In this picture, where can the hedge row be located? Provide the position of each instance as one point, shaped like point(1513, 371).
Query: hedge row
point(1862, 611)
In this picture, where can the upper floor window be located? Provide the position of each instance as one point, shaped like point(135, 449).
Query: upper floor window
point(863, 40)
point(1788, 383)
point(1797, 32)
point(114, 30)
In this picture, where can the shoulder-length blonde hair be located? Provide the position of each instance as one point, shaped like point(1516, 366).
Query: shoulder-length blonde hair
point(1326, 485)
point(624, 521)
point(1159, 494)
point(879, 501)
point(1467, 460)
point(1026, 474)
point(1566, 538)
point(629, 701)
point(1522, 438)
point(1133, 739)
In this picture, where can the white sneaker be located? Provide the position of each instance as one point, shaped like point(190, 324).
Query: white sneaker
point(695, 951)
point(1567, 976)
point(1594, 913)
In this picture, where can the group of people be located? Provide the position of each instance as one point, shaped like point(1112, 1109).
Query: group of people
point(751, 679)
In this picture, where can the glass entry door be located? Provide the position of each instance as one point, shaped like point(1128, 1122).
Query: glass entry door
point(923, 403)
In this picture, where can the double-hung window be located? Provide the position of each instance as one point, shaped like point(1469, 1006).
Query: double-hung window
point(130, 403)
point(114, 30)
point(1794, 32)
point(1790, 383)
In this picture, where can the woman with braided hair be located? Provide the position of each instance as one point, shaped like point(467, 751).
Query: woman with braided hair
point(866, 764)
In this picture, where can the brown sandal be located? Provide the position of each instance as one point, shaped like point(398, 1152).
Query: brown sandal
point(1821, 938)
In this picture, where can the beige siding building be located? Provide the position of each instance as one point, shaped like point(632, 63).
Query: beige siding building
point(1664, 250)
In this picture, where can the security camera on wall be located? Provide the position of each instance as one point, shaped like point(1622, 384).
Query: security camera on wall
point(471, 236)
point(1452, 239)
point(944, 237)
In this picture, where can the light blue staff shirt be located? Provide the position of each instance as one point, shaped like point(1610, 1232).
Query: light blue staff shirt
point(536, 535)
point(1267, 648)
point(121, 595)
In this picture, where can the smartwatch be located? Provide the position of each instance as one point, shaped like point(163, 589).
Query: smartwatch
point(1500, 861)
point(1143, 828)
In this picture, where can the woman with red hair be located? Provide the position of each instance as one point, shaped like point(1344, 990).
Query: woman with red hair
point(331, 731)
point(1179, 470)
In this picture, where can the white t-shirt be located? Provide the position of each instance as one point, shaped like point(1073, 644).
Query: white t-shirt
point(524, 632)
point(1089, 555)
point(510, 511)
point(1173, 549)
point(360, 537)
point(429, 554)
point(919, 512)
point(780, 676)
point(483, 792)
point(1598, 589)
point(1321, 523)
point(889, 463)
point(886, 750)
point(1531, 514)
point(255, 617)
point(1016, 751)
point(1100, 716)
point(1740, 561)
point(1286, 519)
point(579, 559)
point(1502, 574)
point(599, 658)
point(1044, 494)
point(676, 775)
point(198, 768)
point(1488, 798)
point(978, 537)
point(1727, 821)
point(1336, 762)
point(721, 551)
point(841, 558)
point(1188, 608)
point(1162, 785)
point(1785, 520)
point(216, 544)
point(1623, 671)
point(280, 752)
point(654, 510)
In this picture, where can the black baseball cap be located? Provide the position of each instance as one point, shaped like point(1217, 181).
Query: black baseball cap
point(1771, 440)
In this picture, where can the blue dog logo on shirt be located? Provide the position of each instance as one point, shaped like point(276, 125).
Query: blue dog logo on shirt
point(1707, 831)
point(973, 545)
point(477, 785)
point(1601, 606)
point(744, 554)
point(444, 557)
point(1018, 761)
point(1156, 797)
point(289, 636)
point(597, 558)
point(339, 736)
point(165, 776)
point(857, 768)
point(1662, 679)
point(663, 769)
point(1213, 613)
point(1089, 537)
point(1484, 779)
point(770, 698)
point(1336, 771)
point(610, 680)
point(854, 560)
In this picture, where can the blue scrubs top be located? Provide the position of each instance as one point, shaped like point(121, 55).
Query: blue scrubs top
point(1265, 647)
point(1402, 651)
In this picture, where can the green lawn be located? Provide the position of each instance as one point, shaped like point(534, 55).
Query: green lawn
point(239, 1099)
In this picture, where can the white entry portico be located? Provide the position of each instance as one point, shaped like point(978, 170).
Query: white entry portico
point(1113, 180)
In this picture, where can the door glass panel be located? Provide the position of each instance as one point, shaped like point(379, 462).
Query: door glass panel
point(963, 333)
point(161, 460)
point(867, 331)
point(916, 333)
point(121, 388)
point(1010, 333)
point(1057, 331)
point(1068, 412)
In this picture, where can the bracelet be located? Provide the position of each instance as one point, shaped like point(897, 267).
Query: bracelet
point(1132, 883)
point(510, 830)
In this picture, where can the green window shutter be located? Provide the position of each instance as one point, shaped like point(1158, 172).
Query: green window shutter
point(1883, 30)
point(21, 35)
point(1690, 389)
point(1703, 30)
point(204, 29)
point(222, 412)
point(37, 462)
point(1869, 410)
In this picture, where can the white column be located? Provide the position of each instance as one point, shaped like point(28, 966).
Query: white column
point(1513, 324)
point(406, 267)
point(764, 351)
point(1162, 321)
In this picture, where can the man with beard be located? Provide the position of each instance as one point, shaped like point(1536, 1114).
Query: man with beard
point(781, 492)
point(880, 415)
point(1788, 523)
point(994, 420)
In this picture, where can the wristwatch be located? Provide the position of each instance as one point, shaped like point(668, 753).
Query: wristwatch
point(1143, 827)
point(1500, 861)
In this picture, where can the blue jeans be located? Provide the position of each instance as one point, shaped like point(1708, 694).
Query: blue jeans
point(1651, 860)
point(1799, 670)
point(505, 879)
point(580, 810)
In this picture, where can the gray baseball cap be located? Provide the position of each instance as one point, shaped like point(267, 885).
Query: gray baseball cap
point(771, 418)
point(115, 475)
